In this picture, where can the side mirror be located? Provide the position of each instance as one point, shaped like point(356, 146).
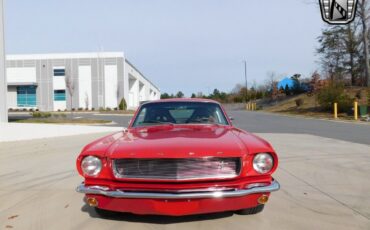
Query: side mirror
point(231, 118)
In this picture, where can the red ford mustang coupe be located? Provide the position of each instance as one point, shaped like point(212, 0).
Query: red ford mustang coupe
point(178, 157)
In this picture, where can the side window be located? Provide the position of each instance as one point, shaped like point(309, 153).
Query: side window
point(141, 116)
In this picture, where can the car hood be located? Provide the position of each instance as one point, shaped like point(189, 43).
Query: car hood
point(178, 142)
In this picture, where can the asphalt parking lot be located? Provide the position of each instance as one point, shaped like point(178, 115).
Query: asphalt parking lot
point(262, 122)
point(325, 185)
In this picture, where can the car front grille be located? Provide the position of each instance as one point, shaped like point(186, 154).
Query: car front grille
point(177, 169)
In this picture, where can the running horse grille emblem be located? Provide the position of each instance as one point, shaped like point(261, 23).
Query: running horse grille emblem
point(338, 11)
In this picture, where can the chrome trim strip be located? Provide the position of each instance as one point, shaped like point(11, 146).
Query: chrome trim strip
point(274, 186)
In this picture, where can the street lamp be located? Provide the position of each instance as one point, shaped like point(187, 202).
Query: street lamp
point(246, 79)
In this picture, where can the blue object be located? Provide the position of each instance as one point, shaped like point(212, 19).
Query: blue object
point(286, 82)
point(26, 96)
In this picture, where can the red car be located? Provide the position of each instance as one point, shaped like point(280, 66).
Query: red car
point(178, 157)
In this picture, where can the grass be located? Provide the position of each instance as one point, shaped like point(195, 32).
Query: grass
point(309, 108)
point(62, 121)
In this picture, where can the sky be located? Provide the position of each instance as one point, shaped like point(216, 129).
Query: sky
point(188, 45)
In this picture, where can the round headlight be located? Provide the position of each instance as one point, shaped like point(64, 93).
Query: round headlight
point(91, 166)
point(263, 163)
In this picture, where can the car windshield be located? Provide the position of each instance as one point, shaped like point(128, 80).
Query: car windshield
point(180, 113)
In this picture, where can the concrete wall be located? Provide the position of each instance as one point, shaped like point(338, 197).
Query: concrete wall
point(12, 97)
point(99, 80)
point(3, 82)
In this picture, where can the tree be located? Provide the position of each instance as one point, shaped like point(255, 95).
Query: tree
point(363, 15)
point(165, 96)
point(332, 47)
point(180, 94)
point(296, 89)
point(352, 42)
point(122, 105)
point(87, 101)
point(287, 90)
point(271, 85)
point(193, 95)
point(70, 88)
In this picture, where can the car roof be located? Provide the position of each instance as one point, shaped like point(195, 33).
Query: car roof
point(204, 100)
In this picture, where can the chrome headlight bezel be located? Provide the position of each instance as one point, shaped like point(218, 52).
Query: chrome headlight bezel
point(263, 163)
point(91, 166)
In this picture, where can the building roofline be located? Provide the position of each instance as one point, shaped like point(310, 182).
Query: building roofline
point(64, 55)
point(129, 63)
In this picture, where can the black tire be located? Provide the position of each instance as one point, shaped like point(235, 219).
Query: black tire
point(251, 211)
point(105, 213)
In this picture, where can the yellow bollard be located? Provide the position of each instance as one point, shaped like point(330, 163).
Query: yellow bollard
point(355, 109)
point(335, 110)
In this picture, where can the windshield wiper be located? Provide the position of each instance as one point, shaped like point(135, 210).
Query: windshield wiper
point(158, 122)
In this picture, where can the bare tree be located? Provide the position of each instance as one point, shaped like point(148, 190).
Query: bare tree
point(271, 80)
point(87, 101)
point(118, 92)
point(363, 14)
point(70, 88)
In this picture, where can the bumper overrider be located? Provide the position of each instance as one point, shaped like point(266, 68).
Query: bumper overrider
point(177, 203)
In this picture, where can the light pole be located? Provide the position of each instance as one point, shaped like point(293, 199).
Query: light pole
point(246, 80)
point(3, 82)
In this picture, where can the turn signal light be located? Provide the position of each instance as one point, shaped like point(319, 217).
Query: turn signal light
point(92, 202)
point(263, 199)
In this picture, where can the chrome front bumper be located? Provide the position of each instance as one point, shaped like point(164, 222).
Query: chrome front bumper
point(99, 190)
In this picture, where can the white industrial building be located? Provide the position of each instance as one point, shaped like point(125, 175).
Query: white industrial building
point(97, 80)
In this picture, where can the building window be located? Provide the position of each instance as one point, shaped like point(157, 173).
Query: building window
point(26, 96)
point(59, 72)
point(59, 95)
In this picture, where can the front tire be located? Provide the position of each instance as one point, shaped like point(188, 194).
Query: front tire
point(251, 211)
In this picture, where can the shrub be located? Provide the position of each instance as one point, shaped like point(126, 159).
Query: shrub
point(24, 110)
point(80, 109)
point(299, 102)
point(122, 104)
point(10, 109)
point(101, 109)
point(41, 114)
point(115, 108)
point(332, 93)
point(108, 109)
point(93, 109)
